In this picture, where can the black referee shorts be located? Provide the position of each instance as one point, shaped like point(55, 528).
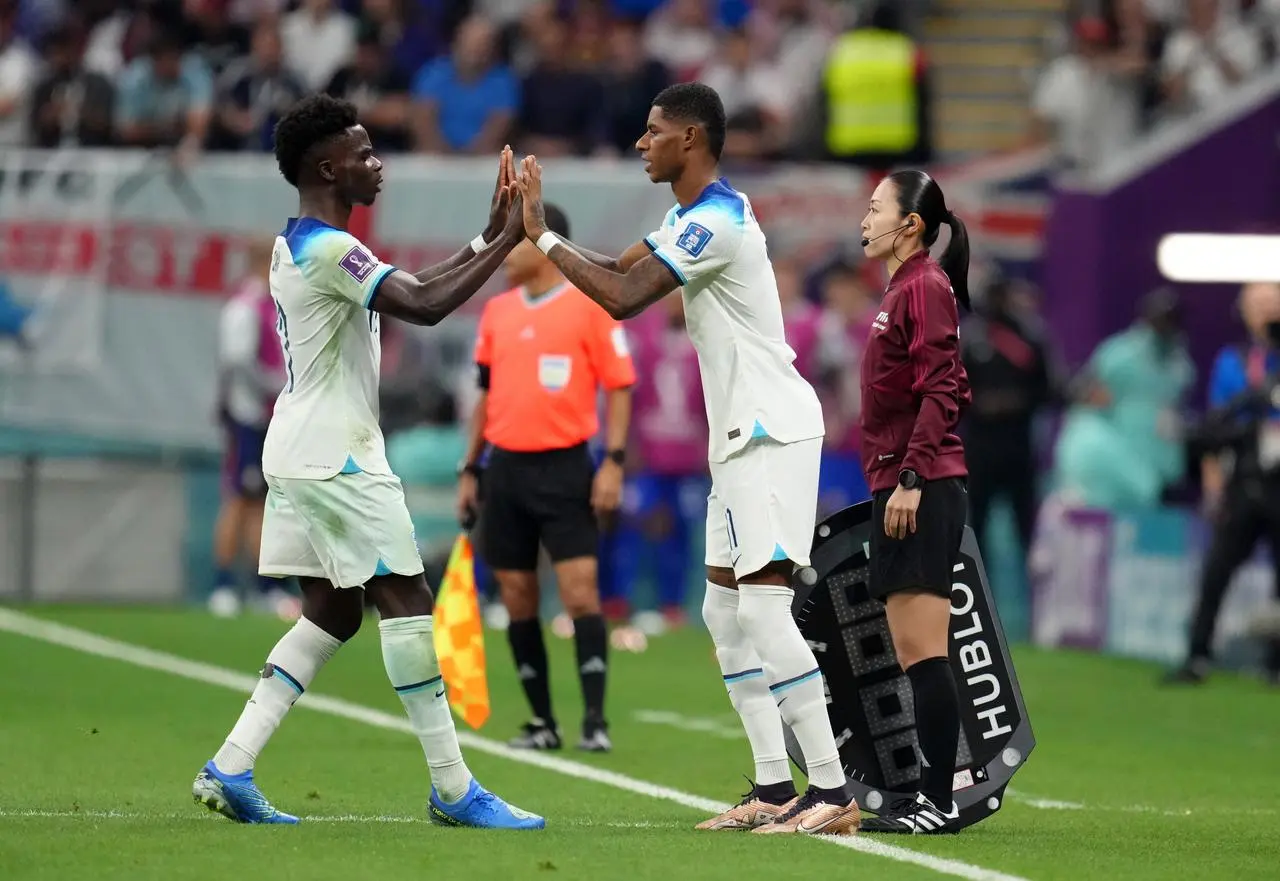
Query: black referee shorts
point(529, 499)
point(924, 560)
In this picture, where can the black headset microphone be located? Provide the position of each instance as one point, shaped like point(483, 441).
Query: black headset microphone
point(866, 241)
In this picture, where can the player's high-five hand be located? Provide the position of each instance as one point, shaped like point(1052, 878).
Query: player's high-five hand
point(529, 183)
point(504, 192)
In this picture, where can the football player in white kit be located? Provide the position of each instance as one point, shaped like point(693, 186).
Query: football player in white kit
point(335, 515)
point(766, 441)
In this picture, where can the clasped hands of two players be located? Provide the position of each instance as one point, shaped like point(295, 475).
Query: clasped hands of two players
point(606, 488)
point(506, 195)
point(517, 208)
point(517, 199)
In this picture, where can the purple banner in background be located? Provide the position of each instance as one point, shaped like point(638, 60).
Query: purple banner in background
point(1100, 248)
point(1069, 567)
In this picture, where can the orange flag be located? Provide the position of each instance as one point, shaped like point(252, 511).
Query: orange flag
point(459, 637)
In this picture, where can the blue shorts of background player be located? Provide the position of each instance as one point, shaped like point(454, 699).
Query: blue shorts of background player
point(659, 534)
point(242, 461)
point(841, 482)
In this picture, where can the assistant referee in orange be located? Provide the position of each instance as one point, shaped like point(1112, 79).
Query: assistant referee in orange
point(543, 353)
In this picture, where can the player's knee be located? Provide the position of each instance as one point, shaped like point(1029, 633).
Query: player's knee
point(579, 586)
point(580, 600)
point(913, 647)
point(519, 592)
point(721, 619)
point(757, 617)
point(340, 622)
point(347, 626)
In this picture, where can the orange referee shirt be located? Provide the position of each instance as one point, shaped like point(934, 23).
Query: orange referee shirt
point(546, 360)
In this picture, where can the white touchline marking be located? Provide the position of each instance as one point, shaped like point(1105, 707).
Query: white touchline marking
point(193, 816)
point(1051, 804)
point(208, 817)
point(90, 643)
point(689, 723)
point(1044, 803)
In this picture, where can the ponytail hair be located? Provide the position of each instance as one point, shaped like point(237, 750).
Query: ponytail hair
point(955, 260)
point(918, 193)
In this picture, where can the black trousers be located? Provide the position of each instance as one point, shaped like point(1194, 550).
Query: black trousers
point(1001, 469)
point(1248, 515)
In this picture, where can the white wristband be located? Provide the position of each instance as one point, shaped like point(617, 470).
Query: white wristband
point(478, 244)
point(547, 241)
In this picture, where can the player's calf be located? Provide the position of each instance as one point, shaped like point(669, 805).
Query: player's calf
point(288, 672)
point(795, 682)
point(580, 595)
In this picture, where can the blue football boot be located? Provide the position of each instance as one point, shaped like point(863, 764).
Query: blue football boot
point(480, 809)
point(235, 796)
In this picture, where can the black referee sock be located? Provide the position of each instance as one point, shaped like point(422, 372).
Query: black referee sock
point(937, 726)
point(531, 665)
point(591, 640)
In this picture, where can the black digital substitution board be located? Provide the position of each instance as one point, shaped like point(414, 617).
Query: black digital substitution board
point(869, 698)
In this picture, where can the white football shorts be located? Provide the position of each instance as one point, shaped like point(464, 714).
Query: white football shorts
point(763, 505)
point(345, 529)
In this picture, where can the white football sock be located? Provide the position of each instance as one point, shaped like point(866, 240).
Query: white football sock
point(748, 690)
point(290, 667)
point(764, 612)
point(410, 658)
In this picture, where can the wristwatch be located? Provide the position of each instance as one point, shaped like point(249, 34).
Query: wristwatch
point(908, 479)
point(465, 467)
point(618, 457)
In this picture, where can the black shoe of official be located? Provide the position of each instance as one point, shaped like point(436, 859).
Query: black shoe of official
point(1193, 672)
point(595, 736)
point(914, 816)
point(537, 734)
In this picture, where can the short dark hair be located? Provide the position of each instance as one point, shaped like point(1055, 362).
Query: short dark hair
point(699, 103)
point(307, 123)
point(556, 219)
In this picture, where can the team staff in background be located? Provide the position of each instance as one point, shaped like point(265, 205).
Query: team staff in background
point(665, 499)
point(250, 376)
point(543, 353)
point(1241, 486)
point(1005, 358)
point(914, 389)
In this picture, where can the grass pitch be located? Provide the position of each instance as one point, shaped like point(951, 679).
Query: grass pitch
point(1127, 781)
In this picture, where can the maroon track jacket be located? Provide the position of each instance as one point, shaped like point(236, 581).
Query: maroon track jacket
point(914, 386)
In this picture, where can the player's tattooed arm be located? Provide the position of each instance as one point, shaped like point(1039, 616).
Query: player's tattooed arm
point(623, 294)
point(499, 210)
point(629, 258)
point(416, 301)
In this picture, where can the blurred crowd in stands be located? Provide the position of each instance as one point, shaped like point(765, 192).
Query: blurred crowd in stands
point(1124, 67)
point(560, 77)
point(444, 76)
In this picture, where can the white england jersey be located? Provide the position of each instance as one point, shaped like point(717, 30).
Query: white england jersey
point(752, 389)
point(326, 420)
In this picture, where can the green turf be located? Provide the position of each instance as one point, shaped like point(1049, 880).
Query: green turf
point(1174, 783)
